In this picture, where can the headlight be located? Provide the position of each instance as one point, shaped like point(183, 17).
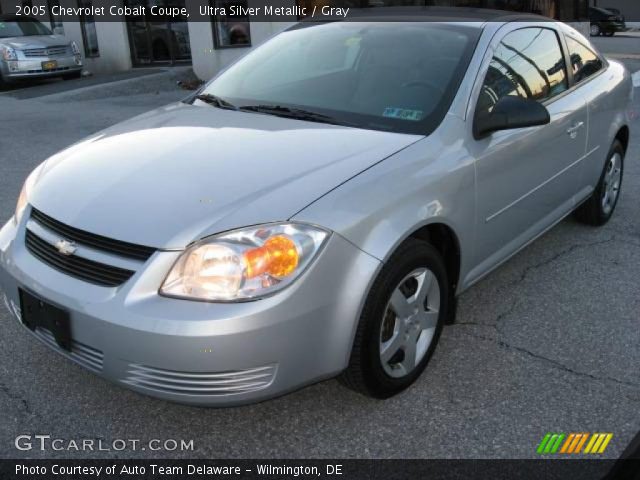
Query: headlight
point(23, 198)
point(74, 48)
point(8, 53)
point(22, 203)
point(244, 264)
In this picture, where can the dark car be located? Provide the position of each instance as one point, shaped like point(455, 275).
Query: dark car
point(616, 11)
point(605, 22)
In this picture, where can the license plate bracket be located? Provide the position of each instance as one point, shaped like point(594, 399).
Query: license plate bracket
point(38, 313)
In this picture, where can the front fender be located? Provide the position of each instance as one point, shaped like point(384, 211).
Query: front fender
point(432, 181)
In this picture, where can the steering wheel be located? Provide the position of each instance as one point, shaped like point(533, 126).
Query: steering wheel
point(423, 84)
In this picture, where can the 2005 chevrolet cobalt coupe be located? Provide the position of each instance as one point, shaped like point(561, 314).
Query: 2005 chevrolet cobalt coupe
point(314, 210)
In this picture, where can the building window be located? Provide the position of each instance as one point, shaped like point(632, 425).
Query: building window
point(56, 23)
point(230, 31)
point(89, 34)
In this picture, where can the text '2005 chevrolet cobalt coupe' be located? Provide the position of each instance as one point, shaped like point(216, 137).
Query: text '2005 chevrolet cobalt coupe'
point(314, 210)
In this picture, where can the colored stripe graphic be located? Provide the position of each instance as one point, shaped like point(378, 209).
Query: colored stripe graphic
point(591, 443)
point(567, 443)
point(555, 447)
point(605, 444)
point(597, 443)
point(581, 443)
point(543, 443)
point(550, 443)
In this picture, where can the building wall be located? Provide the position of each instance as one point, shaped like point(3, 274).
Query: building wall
point(208, 61)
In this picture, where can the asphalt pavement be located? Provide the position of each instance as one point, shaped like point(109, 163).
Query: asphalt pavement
point(621, 44)
point(548, 342)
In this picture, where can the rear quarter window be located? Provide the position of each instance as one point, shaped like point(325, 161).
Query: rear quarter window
point(585, 63)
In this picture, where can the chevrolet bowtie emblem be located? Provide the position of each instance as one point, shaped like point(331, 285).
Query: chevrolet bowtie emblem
point(66, 247)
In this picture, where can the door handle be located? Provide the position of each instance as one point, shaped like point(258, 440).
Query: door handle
point(573, 131)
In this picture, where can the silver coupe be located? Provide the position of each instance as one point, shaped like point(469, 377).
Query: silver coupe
point(314, 210)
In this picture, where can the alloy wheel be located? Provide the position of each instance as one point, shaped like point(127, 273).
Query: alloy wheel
point(611, 185)
point(409, 322)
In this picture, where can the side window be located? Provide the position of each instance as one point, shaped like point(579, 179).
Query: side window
point(528, 63)
point(584, 62)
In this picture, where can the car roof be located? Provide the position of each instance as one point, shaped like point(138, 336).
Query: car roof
point(477, 16)
point(601, 10)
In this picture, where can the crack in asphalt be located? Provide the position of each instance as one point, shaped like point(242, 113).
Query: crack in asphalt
point(560, 254)
point(25, 404)
point(559, 365)
point(527, 270)
point(496, 325)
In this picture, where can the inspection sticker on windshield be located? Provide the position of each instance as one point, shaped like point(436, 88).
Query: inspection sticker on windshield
point(403, 114)
point(352, 41)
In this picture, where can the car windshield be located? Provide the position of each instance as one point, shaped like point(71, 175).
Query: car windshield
point(22, 28)
point(398, 77)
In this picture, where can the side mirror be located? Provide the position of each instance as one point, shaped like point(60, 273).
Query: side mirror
point(58, 31)
point(510, 113)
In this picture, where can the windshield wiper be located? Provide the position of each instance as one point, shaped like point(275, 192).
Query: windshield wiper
point(216, 101)
point(296, 113)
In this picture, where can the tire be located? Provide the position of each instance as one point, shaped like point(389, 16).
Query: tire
point(595, 30)
point(381, 329)
point(72, 76)
point(599, 208)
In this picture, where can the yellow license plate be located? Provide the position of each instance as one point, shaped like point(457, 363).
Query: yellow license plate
point(50, 65)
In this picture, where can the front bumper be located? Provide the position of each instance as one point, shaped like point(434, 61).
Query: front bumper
point(196, 352)
point(33, 67)
point(608, 27)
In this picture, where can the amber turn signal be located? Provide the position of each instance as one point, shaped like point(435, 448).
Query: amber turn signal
point(278, 257)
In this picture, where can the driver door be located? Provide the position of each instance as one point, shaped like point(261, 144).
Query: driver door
point(526, 178)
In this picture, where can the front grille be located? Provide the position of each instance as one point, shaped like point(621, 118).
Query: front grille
point(191, 383)
point(85, 355)
point(82, 268)
point(105, 244)
point(56, 51)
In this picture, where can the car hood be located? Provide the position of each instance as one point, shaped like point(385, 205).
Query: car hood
point(34, 41)
point(180, 173)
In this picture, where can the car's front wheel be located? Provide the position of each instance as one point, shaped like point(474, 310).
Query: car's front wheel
point(595, 30)
point(400, 323)
point(598, 209)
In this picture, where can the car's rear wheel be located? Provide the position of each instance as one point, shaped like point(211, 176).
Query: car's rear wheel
point(595, 30)
point(599, 208)
point(400, 323)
